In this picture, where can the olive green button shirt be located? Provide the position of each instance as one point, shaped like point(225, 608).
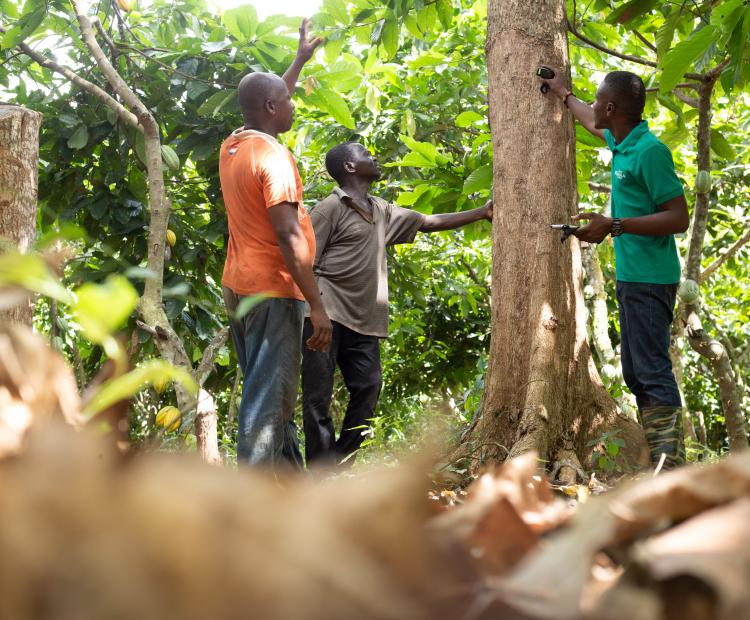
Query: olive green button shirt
point(350, 262)
point(643, 178)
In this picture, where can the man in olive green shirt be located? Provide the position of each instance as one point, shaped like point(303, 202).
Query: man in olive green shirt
point(648, 208)
point(352, 229)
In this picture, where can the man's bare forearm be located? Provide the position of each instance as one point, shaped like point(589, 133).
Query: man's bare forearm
point(291, 75)
point(296, 254)
point(450, 221)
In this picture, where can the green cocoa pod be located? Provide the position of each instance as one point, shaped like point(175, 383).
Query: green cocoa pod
point(170, 158)
point(703, 182)
point(688, 291)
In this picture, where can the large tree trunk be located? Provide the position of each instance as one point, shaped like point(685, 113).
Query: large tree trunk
point(19, 158)
point(542, 390)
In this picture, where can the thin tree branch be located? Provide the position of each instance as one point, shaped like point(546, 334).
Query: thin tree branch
point(712, 268)
point(600, 187)
point(691, 101)
point(124, 114)
point(209, 354)
point(645, 41)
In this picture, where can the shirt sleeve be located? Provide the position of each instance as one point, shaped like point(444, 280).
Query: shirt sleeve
point(659, 176)
point(402, 224)
point(279, 178)
point(323, 229)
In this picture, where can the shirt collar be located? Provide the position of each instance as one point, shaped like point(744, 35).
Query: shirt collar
point(632, 138)
point(347, 200)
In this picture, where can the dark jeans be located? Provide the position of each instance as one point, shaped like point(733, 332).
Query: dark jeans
point(268, 340)
point(358, 357)
point(645, 318)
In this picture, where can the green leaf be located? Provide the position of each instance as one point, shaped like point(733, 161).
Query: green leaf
point(246, 304)
point(129, 384)
point(680, 58)
point(79, 138)
point(100, 309)
point(665, 34)
point(427, 17)
point(427, 150)
point(32, 17)
point(465, 119)
point(389, 39)
point(334, 104)
point(428, 59)
point(241, 22)
point(445, 12)
point(28, 272)
point(721, 146)
point(630, 11)
point(214, 104)
point(407, 199)
point(479, 180)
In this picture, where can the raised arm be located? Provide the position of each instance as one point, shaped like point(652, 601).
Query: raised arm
point(558, 86)
point(449, 221)
point(305, 51)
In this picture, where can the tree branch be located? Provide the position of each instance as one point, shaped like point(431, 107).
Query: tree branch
point(200, 374)
point(645, 41)
point(124, 114)
point(711, 269)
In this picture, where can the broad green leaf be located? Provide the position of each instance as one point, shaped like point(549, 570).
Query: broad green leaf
point(389, 38)
point(101, 309)
point(427, 17)
point(79, 138)
point(585, 137)
point(445, 12)
point(32, 17)
point(721, 146)
point(465, 119)
point(333, 49)
point(428, 59)
point(679, 59)
point(31, 273)
point(241, 22)
point(630, 11)
point(333, 103)
point(479, 180)
point(665, 34)
point(414, 160)
point(337, 10)
point(407, 199)
point(214, 104)
point(427, 150)
point(128, 385)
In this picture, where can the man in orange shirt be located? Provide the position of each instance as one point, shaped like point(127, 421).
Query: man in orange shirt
point(270, 251)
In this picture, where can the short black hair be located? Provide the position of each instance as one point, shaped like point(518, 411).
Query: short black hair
point(627, 91)
point(337, 157)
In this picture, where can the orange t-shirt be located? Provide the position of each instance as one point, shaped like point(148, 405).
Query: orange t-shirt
point(257, 173)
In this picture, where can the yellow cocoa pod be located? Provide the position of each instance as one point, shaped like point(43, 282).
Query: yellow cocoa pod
point(169, 418)
point(171, 238)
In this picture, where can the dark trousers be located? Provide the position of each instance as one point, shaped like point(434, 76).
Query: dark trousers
point(268, 344)
point(645, 319)
point(358, 357)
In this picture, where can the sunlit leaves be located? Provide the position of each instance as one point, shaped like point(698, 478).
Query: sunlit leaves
point(334, 104)
point(679, 59)
point(479, 180)
point(79, 138)
point(241, 22)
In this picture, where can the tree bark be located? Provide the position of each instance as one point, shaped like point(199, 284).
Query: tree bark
point(713, 350)
point(19, 160)
point(542, 390)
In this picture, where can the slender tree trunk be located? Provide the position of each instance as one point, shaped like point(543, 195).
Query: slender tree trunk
point(19, 160)
point(701, 342)
point(542, 390)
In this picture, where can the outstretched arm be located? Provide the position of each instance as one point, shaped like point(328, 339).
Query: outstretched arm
point(305, 52)
point(583, 113)
point(449, 221)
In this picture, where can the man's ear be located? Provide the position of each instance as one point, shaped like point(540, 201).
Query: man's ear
point(611, 107)
point(350, 167)
point(269, 106)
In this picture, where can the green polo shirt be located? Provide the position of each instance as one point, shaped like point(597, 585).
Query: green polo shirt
point(643, 178)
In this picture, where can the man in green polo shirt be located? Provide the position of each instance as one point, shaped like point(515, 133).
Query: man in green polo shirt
point(648, 207)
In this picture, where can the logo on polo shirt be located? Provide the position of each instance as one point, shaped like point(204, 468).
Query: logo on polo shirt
point(621, 175)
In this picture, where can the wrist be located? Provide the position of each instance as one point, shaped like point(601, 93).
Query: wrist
point(615, 226)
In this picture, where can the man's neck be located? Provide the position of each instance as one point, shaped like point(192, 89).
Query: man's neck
point(357, 187)
point(261, 128)
point(620, 131)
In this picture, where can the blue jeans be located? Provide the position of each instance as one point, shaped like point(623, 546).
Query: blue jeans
point(268, 341)
point(645, 319)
